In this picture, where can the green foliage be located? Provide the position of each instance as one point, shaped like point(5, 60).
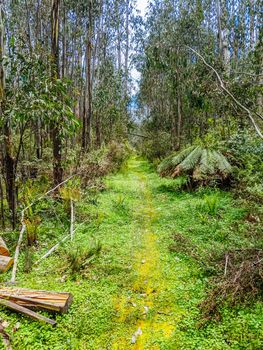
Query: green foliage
point(103, 161)
point(156, 146)
point(109, 104)
point(210, 204)
point(117, 154)
point(69, 192)
point(32, 229)
point(79, 255)
point(173, 185)
point(246, 151)
point(120, 205)
point(33, 95)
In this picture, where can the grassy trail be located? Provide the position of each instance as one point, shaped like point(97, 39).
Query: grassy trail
point(138, 294)
point(154, 320)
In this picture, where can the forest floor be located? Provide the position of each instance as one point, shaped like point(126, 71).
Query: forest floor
point(139, 293)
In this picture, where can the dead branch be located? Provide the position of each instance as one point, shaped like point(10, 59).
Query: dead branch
point(226, 263)
point(19, 242)
point(48, 192)
point(52, 249)
point(5, 337)
point(244, 108)
point(23, 227)
point(249, 74)
point(18, 308)
point(138, 135)
point(71, 219)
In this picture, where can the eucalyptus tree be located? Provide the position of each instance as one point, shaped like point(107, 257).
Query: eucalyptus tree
point(180, 95)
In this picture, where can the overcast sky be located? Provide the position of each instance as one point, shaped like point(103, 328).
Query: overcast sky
point(141, 5)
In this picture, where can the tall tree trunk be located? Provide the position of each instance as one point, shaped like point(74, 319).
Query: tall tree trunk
point(252, 24)
point(9, 160)
point(38, 139)
point(64, 45)
point(28, 28)
point(2, 204)
point(259, 56)
point(98, 129)
point(57, 144)
point(87, 113)
point(223, 34)
point(179, 109)
point(118, 20)
point(126, 67)
point(174, 131)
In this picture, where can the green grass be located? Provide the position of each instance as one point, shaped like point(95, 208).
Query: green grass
point(134, 220)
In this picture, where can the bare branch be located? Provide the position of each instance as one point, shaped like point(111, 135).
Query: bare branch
point(23, 227)
point(244, 108)
point(19, 242)
point(249, 74)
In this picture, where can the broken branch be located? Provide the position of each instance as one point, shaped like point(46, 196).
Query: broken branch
point(35, 316)
point(244, 108)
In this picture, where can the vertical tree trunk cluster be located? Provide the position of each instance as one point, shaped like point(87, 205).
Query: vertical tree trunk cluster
point(8, 152)
point(56, 132)
point(87, 109)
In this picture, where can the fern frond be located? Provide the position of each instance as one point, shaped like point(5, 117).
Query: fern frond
point(166, 164)
point(190, 162)
point(177, 159)
point(222, 163)
point(207, 162)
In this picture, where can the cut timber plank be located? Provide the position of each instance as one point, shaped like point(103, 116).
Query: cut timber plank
point(5, 263)
point(13, 306)
point(3, 248)
point(40, 300)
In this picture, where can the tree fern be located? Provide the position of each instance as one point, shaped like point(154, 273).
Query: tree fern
point(201, 164)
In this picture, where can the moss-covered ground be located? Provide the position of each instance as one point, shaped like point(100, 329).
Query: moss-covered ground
point(138, 293)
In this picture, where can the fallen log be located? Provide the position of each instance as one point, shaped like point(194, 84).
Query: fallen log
point(37, 299)
point(35, 316)
point(5, 263)
point(3, 248)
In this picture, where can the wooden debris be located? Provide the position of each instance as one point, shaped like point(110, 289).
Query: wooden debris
point(5, 335)
point(5, 263)
point(38, 300)
point(3, 248)
point(19, 242)
point(35, 316)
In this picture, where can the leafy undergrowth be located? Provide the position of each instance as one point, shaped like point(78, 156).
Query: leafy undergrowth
point(144, 286)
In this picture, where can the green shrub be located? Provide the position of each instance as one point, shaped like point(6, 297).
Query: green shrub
point(211, 204)
point(246, 151)
point(79, 255)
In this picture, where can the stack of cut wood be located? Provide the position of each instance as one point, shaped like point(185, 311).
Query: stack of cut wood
point(26, 300)
point(5, 261)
